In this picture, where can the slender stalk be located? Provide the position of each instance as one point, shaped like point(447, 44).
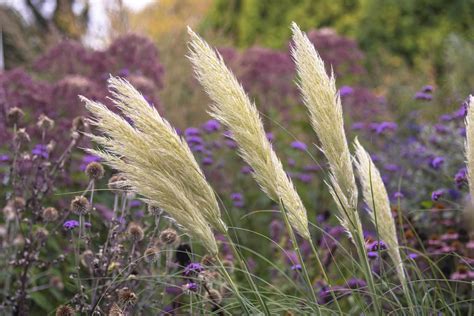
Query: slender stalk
point(248, 275)
point(300, 257)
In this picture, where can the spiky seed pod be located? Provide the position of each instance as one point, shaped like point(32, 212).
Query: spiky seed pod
point(14, 116)
point(376, 198)
point(135, 232)
point(233, 108)
point(115, 310)
point(213, 296)
point(169, 236)
point(229, 265)
point(324, 106)
point(151, 254)
point(127, 297)
point(87, 258)
point(22, 136)
point(45, 123)
point(156, 162)
point(65, 310)
point(95, 171)
point(50, 214)
point(80, 205)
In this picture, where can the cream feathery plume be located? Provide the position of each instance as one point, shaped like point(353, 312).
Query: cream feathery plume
point(376, 197)
point(324, 106)
point(469, 148)
point(233, 108)
point(156, 162)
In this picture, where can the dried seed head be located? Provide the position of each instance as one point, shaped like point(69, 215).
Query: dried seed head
point(19, 203)
point(14, 116)
point(87, 258)
point(45, 123)
point(79, 124)
point(95, 170)
point(41, 234)
point(80, 205)
point(169, 236)
point(151, 254)
point(127, 296)
point(65, 310)
point(22, 136)
point(135, 232)
point(50, 214)
point(209, 261)
point(154, 210)
point(117, 183)
point(115, 310)
point(51, 145)
point(214, 296)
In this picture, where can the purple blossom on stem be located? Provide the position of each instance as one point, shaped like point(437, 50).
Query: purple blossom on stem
point(41, 150)
point(437, 162)
point(384, 126)
point(193, 268)
point(70, 224)
point(437, 194)
point(345, 91)
point(298, 145)
point(211, 126)
point(423, 96)
point(460, 177)
point(192, 131)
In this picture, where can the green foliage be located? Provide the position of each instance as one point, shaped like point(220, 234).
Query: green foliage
point(412, 29)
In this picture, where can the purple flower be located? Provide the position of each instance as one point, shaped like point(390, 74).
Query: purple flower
point(441, 129)
point(460, 177)
point(276, 229)
point(70, 224)
point(398, 195)
point(423, 96)
point(211, 126)
point(4, 158)
point(437, 194)
point(198, 148)
point(192, 131)
point(237, 199)
point(391, 167)
point(246, 170)
point(356, 283)
point(345, 91)
point(385, 126)
point(299, 145)
point(305, 178)
point(40, 150)
point(291, 162)
point(270, 136)
point(427, 89)
point(296, 267)
point(193, 268)
point(194, 140)
point(191, 286)
point(207, 161)
point(311, 168)
point(437, 162)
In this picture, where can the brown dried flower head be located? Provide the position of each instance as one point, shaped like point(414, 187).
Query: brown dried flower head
point(169, 236)
point(127, 296)
point(14, 116)
point(115, 310)
point(45, 123)
point(135, 232)
point(50, 214)
point(80, 205)
point(214, 296)
point(22, 136)
point(65, 310)
point(151, 254)
point(95, 170)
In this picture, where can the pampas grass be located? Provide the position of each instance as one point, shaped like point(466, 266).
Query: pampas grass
point(469, 148)
point(376, 197)
point(324, 106)
point(156, 162)
point(233, 108)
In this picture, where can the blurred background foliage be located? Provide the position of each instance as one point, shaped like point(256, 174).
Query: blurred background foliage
point(398, 46)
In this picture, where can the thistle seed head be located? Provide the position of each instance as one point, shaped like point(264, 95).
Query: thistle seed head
point(95, 171)
point(80, 205)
